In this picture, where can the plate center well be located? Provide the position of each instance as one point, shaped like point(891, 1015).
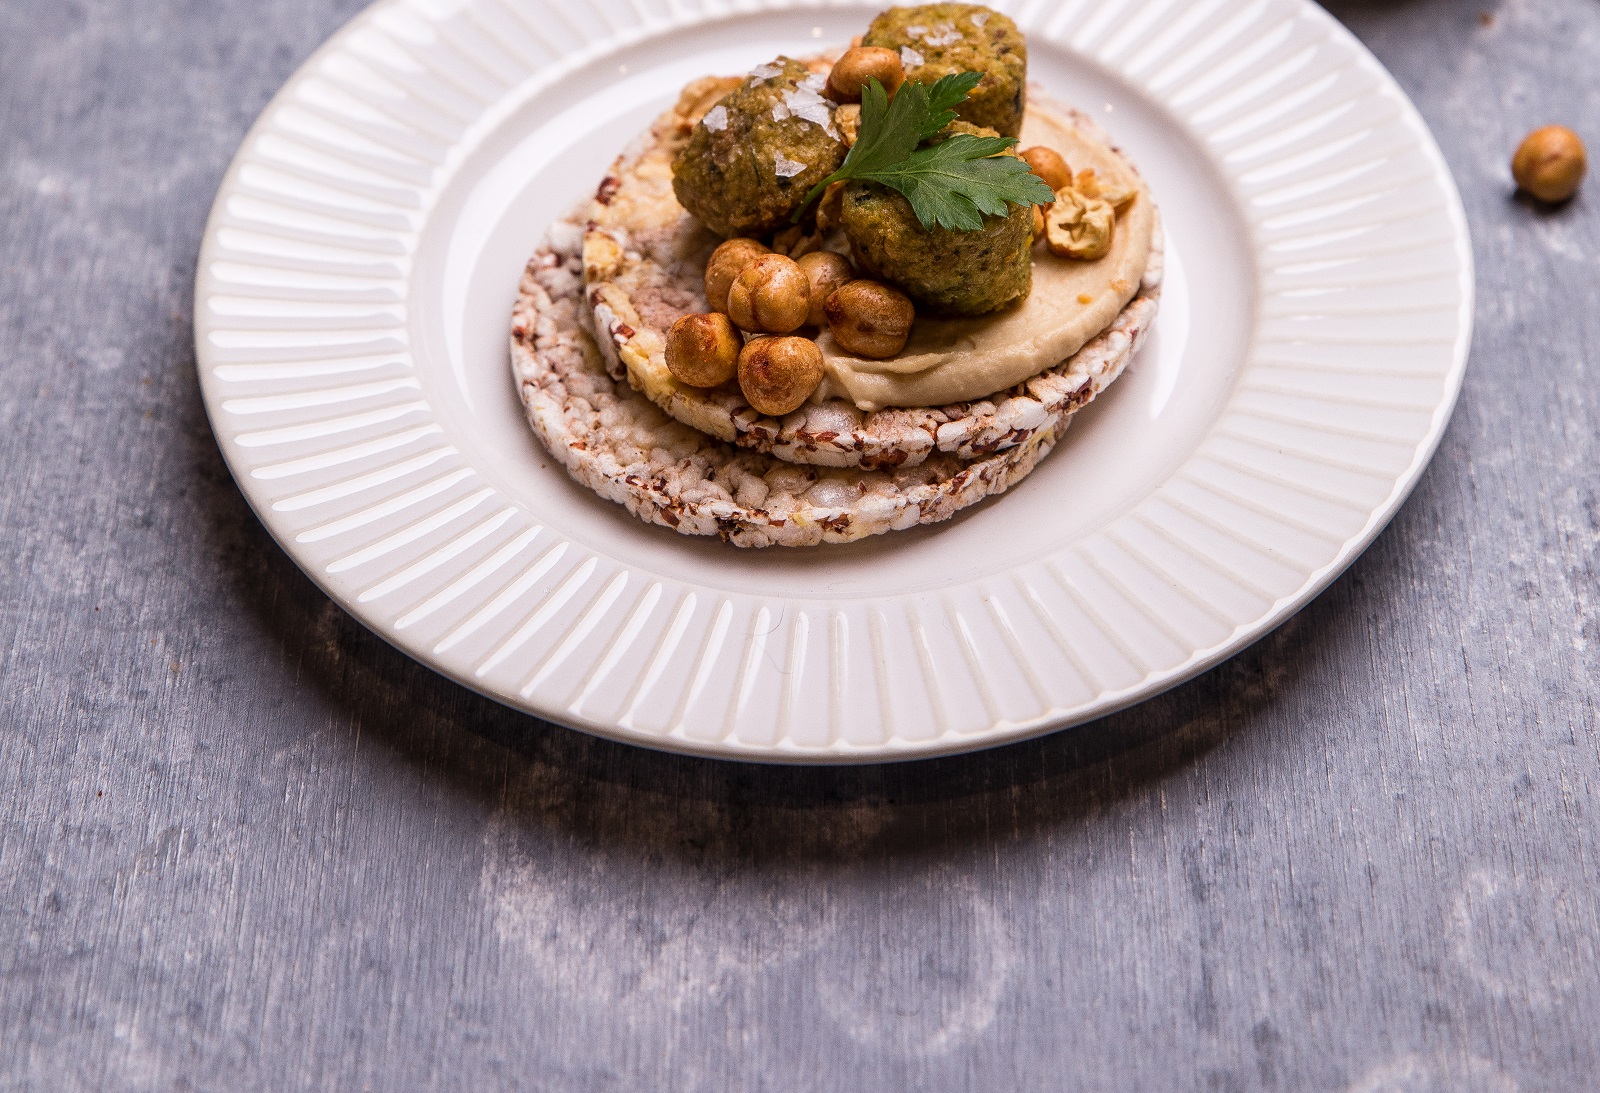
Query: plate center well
point(548, 153)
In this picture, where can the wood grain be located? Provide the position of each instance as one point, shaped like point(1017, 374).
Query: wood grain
point(246, 845)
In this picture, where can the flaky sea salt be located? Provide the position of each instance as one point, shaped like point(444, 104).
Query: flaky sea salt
point(788, 168)
point(817, 82)
point(766, 72)
point(717, 119)
point(944, 35)
point(980, 20)
point(910, 58)
point(916, 31)
point(805, 103)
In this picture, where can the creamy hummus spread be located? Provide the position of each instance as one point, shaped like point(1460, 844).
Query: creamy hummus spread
point(958, 360)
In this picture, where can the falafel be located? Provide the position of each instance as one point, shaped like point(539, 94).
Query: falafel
point(952, 273)
point(938, 40)
point(751, 161)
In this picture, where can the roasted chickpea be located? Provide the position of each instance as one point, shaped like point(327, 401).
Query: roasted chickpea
point(1049, 166)
point(1550, 164)
point(727, 262)
point(830, 209)
point(1080, 227)
point(777, 375)
point(860, 64)
point(870, 319)
point(826, 270)
point(1039, 223)
point(1113, 193)
point(847, 119)
point(703, 350)
point(771, 296)
point(796, 241)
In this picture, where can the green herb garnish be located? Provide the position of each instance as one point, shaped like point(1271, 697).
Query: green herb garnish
point(953, 184)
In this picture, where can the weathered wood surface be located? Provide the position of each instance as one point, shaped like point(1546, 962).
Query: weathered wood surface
point(244, 845)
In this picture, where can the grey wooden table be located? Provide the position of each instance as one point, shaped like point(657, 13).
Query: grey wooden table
point(244, 845)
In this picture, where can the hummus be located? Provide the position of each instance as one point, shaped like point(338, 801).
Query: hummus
point(957, 360)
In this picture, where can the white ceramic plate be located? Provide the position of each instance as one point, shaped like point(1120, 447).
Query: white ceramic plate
point(352, 313)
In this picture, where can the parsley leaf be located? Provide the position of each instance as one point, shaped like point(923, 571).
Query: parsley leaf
point(943, 98)
point(953, 184)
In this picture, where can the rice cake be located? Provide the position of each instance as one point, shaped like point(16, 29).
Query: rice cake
point(644, 267)
point(617, 442)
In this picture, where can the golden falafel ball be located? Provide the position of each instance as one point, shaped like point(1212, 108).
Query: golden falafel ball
point(753, 158)
point(951, 273)
point(938, 40)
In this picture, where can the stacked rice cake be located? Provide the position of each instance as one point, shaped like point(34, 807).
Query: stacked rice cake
point(588, 351)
